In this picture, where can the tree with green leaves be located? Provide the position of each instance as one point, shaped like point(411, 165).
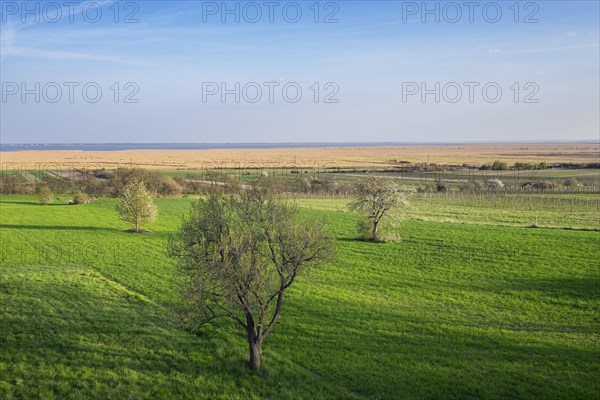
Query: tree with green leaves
point(238, 254)
point(377, 198)
point(136, 205)
point(500, 165)
point(45, 195)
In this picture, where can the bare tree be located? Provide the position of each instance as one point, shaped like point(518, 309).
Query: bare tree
point(136, 205)
point(238, 254)
point(379, 197)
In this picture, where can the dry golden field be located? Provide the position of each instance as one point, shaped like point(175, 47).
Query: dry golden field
point(309, 157)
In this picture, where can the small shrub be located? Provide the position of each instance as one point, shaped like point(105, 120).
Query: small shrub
point(499, 165)
point(494, 184)
point(524, 166)
point(45, 195)
point(170, 188)
point(471, 186)
point(543, 185)
point(570, 182)
point(441, 187)
point(81, 198)
point(430, 188)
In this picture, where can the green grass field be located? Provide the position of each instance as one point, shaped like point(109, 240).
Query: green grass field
point(471, 304)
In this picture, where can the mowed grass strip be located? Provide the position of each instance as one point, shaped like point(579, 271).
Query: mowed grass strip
point(452, 311)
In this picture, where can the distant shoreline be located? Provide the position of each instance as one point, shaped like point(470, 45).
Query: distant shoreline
point(13, 147)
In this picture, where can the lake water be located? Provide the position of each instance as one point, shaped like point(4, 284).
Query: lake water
point(190, 146)
point(208, 146)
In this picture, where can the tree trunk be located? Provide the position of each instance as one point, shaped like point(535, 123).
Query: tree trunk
point(255, 354)
point(137, 225)
point(375, 224)
point(255, 347)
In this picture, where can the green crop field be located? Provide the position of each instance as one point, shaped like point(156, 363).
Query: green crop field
point(470, 304)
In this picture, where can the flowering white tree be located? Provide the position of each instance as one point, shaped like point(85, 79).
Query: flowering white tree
point(378, 197)
point(136, 205)
point(494, 184)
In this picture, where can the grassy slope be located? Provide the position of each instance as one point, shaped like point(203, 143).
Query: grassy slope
point(454, 311)
point(85, 315)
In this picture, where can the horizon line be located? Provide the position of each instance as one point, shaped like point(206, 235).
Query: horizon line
point(369, 143)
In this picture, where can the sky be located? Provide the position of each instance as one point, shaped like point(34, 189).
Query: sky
point(215, 72)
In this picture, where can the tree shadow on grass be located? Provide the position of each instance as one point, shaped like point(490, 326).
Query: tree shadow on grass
point(59, 227)
point(141, 232)
point(580, 288)
point(36, 203)
point(440, 356)
point(353, 240)
point(71, 330)
point(20, 203)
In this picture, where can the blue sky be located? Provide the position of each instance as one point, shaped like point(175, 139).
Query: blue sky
point(370, 57)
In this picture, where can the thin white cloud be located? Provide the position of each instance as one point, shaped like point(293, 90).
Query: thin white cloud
point(11, 28)
point(7, 39)
point(559, 48)
point(68, 55)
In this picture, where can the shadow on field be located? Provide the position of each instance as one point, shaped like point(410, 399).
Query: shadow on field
point(354, 240)
point(76, 337)
point(581, 288)
point(59, 228)
point(21, 203)
point(35, 203)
